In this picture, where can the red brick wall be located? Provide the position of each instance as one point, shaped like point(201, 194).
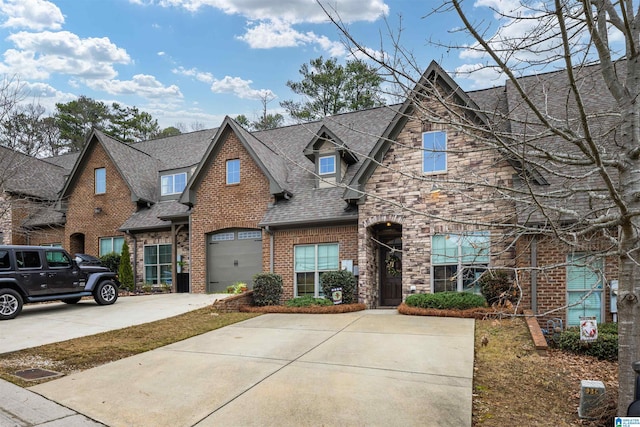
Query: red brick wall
point(46, 236)
point(552, 279)
point(116, 203)
point(284, 241)
point(219, 206)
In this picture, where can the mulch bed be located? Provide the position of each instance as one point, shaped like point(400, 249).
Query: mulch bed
point(331, 309)
point(471, 313)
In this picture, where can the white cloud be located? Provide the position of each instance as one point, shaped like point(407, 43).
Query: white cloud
point(241, 88)
point(480, 75)
point(202, 76)
point(270, 34)
point(141, 84)
point(38, 55)
point(32, 14)
point(293, 11)
point(271, 23)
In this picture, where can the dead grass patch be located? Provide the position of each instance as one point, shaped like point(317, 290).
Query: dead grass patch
point(513, 385)
point(88, 352)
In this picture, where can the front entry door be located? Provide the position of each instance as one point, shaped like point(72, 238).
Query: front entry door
point(391, 273)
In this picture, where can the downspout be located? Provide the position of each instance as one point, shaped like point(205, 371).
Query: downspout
point(534, 274)
point(271, 249)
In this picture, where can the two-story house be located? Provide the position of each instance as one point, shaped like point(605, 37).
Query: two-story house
point(401, 195)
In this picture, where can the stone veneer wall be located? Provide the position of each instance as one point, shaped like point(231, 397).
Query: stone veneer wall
point(461, 203)
point(157, 238)
point(219, 206)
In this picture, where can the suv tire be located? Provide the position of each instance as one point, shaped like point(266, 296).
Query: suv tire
point(10, 304)
point(106, 293)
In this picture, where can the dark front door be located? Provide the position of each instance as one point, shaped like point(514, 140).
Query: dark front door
point(391, 274)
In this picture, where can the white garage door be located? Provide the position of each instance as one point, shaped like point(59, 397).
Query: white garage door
point(233, 255)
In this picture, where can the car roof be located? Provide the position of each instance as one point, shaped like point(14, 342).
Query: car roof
point(31, 247)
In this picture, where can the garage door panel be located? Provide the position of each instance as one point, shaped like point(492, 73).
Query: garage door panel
point(231, 261)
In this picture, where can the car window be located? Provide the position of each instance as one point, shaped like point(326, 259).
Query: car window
point(57, 259)
point(4, 260)
point(28, 259)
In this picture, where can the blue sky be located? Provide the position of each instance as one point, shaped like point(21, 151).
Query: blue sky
point(187, 61)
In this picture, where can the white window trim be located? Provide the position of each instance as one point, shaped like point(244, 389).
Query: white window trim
point(229, 162)
point(156, 265)
point(446, 154)
point(112, 238)
point(95, 179)
point(458, 263)
point(316, 276)
point(334, 165)
point(173, 183)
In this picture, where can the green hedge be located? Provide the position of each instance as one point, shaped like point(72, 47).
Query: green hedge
point(340, 279)
point(605, 347)
point(307, 301)
point(267, 289)
point(446, 300)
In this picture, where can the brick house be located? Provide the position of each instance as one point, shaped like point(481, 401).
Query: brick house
point(400, 195)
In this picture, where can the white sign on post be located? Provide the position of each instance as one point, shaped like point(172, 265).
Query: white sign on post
point(588, 329)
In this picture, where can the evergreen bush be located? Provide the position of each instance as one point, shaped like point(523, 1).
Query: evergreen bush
point(446, 300)
point(308, 301)
point(125, 270)
point(267, 289)
point(111, 261)
point(604, 348)
point(497, 286)
point(340, 279)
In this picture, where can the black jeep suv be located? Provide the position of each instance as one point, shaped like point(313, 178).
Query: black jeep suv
point(36, 273)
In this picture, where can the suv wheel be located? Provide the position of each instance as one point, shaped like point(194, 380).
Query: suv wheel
point(106, 293)
point(10, 304)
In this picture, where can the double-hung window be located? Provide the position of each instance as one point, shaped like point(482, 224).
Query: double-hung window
point(310, 262)
point(584, 287)
point(111, 244)
point(157, 264)
point(173, 184)
point(434, 152)
point(100, 180)
point(458, 260)
point(233, 171)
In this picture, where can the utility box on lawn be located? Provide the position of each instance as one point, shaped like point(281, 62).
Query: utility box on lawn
point(591, 399)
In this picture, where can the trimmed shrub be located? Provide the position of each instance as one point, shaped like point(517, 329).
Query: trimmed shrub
point(446, 300)
point(111, 261)
point(267, 289)
point(604, 348)
point(308, 301)
point(497, 286)
point(340, 279)
point(125, 270)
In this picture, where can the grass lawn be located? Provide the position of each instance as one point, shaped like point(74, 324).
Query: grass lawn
point(513, 385)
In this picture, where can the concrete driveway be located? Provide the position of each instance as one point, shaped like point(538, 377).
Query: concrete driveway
point(371, 368)
point(40, 324)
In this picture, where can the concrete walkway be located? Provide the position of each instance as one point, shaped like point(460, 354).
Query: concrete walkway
point(366, 368)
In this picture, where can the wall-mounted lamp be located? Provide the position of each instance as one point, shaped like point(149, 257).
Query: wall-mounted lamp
point(97, 210)
point(435, 189)
point(388, 224)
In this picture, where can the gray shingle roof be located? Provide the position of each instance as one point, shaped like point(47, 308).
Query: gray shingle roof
point(138, 168)
point(29, 176)
point(572, 191)
point(153, 217)
point(178, 151)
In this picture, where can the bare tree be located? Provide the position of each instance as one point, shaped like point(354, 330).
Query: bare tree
point(573, 135)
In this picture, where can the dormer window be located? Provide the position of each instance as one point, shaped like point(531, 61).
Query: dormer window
point(173, 184)
point(327, 165)
point(330, 156)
